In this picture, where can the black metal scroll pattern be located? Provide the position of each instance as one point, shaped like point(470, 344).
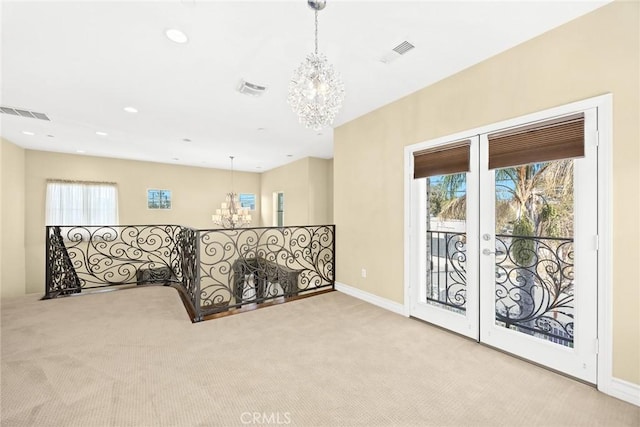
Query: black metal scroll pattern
point(186, 266)
point(534, 286)
point(228, 266)
point(117, 255)
point(62, 278)
point(452, 269)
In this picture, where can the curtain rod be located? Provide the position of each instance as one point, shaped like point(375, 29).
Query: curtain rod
point(70, 181)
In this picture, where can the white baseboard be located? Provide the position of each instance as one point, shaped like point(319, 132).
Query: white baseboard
point(396, 307)
point(624, 390)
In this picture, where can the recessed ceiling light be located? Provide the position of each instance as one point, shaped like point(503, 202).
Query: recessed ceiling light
point(100, 133)
point(80, 151)
point(130, 109)
point(176, 36)
point(50, 136)
point(26, 132)
point(186, 139)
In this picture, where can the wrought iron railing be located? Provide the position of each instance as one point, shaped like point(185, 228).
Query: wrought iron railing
point(214, 270)
point(533, 285)
point(447, 275)
point(81, 258)
point(253, 265)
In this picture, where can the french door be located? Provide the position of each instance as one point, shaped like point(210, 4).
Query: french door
point(504, 242)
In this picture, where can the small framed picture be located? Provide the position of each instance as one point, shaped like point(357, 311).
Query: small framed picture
point(159, 199)
point(248, 200)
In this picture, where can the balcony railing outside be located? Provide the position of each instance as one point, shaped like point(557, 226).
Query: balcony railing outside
point(534, 282)
point(447, 275)
point(214, 270)
point(534, 286)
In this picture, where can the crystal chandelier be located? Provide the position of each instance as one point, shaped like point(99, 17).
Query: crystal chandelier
point(231, 213)
point(316, 90)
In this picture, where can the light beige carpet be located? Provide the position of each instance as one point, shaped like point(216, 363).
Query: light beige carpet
point(132, 358)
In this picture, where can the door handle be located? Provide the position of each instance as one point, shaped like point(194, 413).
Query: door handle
point(486, 251)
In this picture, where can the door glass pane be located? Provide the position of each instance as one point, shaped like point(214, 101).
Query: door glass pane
point(280, 211)
point(446, 242)
point(534, 250)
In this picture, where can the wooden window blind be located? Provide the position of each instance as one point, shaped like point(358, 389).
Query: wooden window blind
point(452, 158)
point(561, 138)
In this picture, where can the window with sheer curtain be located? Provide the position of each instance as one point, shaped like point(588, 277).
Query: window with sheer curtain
point(81, 203)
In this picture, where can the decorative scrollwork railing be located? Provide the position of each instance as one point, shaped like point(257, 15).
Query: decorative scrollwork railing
point(253, 265)
point(447, 275)
point(214, 270)
point(534, 286)
point(61, 276)
point(187, 267)
point(88, 257)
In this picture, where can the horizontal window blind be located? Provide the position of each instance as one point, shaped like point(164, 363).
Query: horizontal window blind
point(561, 138)
point(445, 160)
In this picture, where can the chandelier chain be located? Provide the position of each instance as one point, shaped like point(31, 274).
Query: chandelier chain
point(316, 35)
point(231, 157)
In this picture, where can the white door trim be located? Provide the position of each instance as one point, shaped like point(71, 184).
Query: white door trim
point(604, 103)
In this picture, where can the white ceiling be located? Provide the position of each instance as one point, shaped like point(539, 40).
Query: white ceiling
point(82, 62)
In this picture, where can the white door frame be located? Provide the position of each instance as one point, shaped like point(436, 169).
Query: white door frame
point(604, 103)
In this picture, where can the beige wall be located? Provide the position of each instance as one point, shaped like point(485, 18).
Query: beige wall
point(320, 198)
point(1, 215)
point(305, 184)
point(12, 195)
point(595, 54)
point(330, 192)
point(196, 193)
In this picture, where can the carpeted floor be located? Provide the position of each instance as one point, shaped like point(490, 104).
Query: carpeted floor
point(132, 358)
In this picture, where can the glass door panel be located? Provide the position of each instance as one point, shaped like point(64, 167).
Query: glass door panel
point(445, 281)
point(534, 213)
point(446, 242)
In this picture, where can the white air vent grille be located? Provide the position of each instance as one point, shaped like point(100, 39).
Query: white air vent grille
point(251, 89)
point(24, 113)
point(403, 47)
point(395, 53)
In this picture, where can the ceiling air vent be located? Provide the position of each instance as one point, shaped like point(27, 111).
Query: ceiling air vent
point(251, 89)
point(24, 113)
point(401, 49)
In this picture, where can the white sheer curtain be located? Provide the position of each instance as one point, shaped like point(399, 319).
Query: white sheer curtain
point(81, 203)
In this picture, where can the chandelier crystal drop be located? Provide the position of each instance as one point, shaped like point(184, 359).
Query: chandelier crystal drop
point(231, 214)
point(316, 91)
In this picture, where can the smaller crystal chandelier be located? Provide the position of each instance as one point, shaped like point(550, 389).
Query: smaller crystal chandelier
point(231, 213)
point(316, 91)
